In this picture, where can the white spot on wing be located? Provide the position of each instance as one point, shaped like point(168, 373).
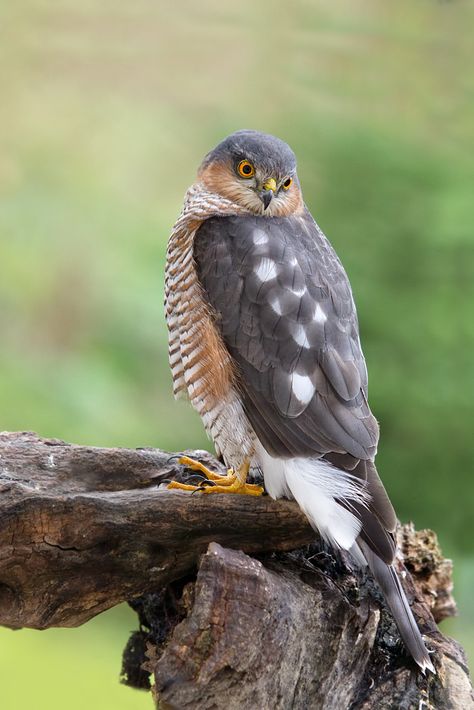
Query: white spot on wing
point(275, 304)
point(319, 314)
point(266, 270)
point(300, 337)
point(299, 291)
point(302, 387)
point(259, 237)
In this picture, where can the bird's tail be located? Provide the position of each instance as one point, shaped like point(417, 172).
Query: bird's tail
point(395, 597)
point(352, 511)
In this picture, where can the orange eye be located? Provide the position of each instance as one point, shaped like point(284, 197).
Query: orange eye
point(245, 169)
point(287, 183)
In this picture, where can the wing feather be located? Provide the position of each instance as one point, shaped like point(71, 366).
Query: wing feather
point(284, 306)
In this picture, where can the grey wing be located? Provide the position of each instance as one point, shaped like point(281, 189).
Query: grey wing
point(285, 310)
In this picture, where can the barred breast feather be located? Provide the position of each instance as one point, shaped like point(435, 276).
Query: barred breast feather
point(201, 366)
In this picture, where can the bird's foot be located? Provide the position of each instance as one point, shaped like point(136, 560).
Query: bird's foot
point(234, 486)
point(231, 482)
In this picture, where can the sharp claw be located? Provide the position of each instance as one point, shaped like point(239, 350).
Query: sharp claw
point(189, 479)
point(197, 477)
point(207, 482)
point(174, 457)
point(199, 489)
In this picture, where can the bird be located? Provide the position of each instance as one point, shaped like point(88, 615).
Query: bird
point(264, 342)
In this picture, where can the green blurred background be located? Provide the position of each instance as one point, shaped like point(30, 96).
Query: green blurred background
point(106, 109)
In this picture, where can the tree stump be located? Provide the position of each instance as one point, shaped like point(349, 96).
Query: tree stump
point(239, 605)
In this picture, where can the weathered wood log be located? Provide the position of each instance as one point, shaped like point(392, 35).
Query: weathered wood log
point(82, 529)
point(293, 631)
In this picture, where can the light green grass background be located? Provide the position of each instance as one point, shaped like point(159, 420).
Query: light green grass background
point(106, 108)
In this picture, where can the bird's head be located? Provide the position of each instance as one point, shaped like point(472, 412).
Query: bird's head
point(256, 171)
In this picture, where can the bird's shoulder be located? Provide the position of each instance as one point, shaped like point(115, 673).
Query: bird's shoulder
point(285, 266)
point(283, 239)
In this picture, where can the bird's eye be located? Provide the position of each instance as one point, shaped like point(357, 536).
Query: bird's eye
point(287, 183)
point(245, 169)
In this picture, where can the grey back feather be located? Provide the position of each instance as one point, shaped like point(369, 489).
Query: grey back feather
point(285, 309)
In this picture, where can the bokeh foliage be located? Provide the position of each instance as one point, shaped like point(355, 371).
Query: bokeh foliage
point(106, 110)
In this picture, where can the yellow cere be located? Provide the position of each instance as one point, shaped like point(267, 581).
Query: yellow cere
point(270, 184)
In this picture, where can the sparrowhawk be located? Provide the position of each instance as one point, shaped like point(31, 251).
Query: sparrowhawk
point(264, 340)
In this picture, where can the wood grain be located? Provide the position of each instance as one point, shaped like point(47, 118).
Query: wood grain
point(83, 529)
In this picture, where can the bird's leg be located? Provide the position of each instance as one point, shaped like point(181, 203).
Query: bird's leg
point(232, 482)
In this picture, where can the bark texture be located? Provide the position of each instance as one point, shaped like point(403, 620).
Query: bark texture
point(83, 529)
point(267, 624)
point(291, 630)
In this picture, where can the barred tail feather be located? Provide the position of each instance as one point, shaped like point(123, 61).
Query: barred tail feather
point(395, 597)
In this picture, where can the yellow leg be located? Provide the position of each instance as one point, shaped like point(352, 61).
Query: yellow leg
point(232, 482)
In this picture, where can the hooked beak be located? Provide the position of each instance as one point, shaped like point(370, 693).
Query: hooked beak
point(269, 189)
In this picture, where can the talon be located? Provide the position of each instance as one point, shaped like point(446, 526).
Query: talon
point(198, 489)
point(231, 482)
point(197, 477)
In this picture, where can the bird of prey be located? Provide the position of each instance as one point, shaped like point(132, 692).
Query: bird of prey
point(264, 341)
